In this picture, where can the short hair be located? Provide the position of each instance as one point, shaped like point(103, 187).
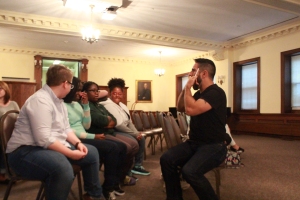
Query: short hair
point(5, 87)
point(116, 82)
point(87, 85)
point(71, 95)
point(206, 64)
point(58, 74)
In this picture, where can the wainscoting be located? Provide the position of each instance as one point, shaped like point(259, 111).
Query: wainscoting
point(285, 125)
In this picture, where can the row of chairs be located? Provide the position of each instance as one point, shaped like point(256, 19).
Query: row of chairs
point(146, 123)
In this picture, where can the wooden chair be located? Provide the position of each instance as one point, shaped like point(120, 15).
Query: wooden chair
point(146, 133)
point(172, 136)
point(7, 125)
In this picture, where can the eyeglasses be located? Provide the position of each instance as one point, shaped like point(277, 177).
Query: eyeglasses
point(72, 86)
point(95, 91)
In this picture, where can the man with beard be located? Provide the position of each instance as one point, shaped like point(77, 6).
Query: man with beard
point(206, 147)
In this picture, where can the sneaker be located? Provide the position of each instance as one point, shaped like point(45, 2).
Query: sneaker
point(118, 191)
point(109, 195)
point(129, 181)
point(140, 170)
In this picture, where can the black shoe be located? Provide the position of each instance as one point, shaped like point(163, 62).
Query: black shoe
point(240, 150)
point(118, 191)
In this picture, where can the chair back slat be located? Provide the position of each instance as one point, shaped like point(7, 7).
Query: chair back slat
point(145, 120)
point(171, 137)
point(153, 120)
point(175, 127)
point(182, 123)
point(137, 121)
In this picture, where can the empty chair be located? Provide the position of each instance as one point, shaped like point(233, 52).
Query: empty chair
point(146, 133)
point(158, 130)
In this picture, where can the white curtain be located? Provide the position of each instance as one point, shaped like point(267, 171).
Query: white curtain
point(249, 87)
point(295, 82)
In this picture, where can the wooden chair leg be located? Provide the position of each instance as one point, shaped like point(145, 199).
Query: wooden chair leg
point(79, 185)
point(41, 193)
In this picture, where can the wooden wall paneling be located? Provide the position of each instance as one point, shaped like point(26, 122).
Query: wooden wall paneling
point(271, 124)
point(20, 91)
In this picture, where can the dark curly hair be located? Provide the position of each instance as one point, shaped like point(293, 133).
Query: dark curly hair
point(116, 82)
point(71, 95)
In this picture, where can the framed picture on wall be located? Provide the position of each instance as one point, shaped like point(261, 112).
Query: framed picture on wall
point(143, 91)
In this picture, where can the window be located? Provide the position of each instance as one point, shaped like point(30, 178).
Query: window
point(290, 81)
point(246, 86)
point(72, 65)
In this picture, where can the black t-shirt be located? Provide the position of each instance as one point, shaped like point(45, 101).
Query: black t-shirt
point(209, 127)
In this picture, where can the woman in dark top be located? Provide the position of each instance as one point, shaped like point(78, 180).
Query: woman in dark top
point(104, 122)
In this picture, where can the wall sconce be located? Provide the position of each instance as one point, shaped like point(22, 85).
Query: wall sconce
point(37, 61)
point(221, 79)
point(160, 72)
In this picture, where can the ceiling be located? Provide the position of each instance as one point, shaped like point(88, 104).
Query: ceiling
point(142, 28)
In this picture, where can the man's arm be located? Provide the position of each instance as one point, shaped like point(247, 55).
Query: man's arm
point(193, 107)
point(180, 101)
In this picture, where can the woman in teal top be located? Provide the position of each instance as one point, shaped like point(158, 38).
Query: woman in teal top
point(112, 152)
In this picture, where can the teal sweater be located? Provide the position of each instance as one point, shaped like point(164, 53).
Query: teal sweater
point(80, 119)
point(99, 119)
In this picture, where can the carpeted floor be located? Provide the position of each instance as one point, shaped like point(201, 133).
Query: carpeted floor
point(271, 172)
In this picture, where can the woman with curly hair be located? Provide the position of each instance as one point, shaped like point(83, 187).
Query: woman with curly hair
point(124, 123)
point(104, 122)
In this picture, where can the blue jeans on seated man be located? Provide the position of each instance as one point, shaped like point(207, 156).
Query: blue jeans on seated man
point(195, 160)
point(56, 171)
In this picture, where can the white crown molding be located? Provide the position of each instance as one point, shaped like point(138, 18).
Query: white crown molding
point(72, 27)
point(262, 36)
point(73, 55)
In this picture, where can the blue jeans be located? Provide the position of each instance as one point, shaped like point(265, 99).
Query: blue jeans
point(113, 154)
point(195, 160)
point(139, 157)
point(55, 170)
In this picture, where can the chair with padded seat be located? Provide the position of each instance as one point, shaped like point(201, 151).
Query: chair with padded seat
point(172, 138)
point(7, 124)
point(146, 133)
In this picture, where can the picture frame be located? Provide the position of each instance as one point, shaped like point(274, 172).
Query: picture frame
point(143, 91)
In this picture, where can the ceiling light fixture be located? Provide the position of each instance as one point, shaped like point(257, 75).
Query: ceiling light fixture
point(110, 13)
point(160, 71)
point(89, 34)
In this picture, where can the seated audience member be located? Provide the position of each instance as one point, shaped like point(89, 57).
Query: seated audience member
point(43, 146)
point(123, 122)
point(104, 122)
point(206, 147)
point(5, 105)
point(112, 152)
point(233, 145)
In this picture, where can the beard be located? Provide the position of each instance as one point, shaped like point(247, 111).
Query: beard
point(197, 83)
